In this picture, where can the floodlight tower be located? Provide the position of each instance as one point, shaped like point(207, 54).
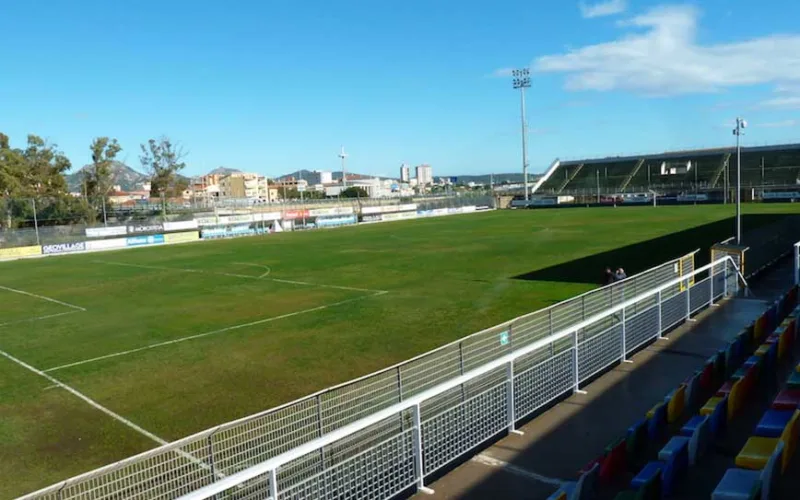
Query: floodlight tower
point(522, 81)
point(343, 155)
point(741, 124)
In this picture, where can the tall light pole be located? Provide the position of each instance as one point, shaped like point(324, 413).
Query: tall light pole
point(741, 124)
point(343, 155)
point(522, 81)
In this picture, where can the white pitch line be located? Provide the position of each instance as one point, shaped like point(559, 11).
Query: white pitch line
point(214, 332)
point(38, 318)
point(29, 294)
point(86, 399)
point(262, 277)
point(493, 462)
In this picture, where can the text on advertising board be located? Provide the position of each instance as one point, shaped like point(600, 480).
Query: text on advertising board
point(145, 228)
point(6, 253)
point(78, 246)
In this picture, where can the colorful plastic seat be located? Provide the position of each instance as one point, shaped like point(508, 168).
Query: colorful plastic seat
point(787, 399)
point(794, 380)
point(582, 489)
point(743, 484)
point(657, 421)
point(757, 450)
point(650, 472)
point(676, 401)
point(698, 430)
point(773, 423)
point(615, 464)
point(636, 442)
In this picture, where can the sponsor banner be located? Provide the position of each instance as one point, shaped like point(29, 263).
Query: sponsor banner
point(227, 231)
point(468, 209)
point(150, 239)
point(319, 212)
point(181, 237)
point(295, 214)
point(691, 197)
point(102, 232)
point(482, 207)
point(206, 221)
point(780, 195)
point(180, 226)
point(400, 216)
point(145, 228)
point(268, 216)
point(106, 244)
point(79, 246)
point(439, 211)
point(389, 209)
point(424, 213)
point(7, 253)
point(336, 221)
point(371, 218)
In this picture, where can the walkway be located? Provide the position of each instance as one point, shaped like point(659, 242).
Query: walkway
point(557, 443)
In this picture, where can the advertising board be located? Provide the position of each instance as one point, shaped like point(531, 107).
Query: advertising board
point(145, 228)
point(781, 195)
point(180, 226)
point(102, 232)
point(78, 246)
point(106, 244)
point(10, 253)
point(150, 239)
point(400, 216)
point(181, 237)
point(321, 212)
point(389, 209)
point(295, 214)
point(371, 218)
point(336, 221)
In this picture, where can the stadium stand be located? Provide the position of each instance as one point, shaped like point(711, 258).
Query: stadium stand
point(653, 458)
point(762, 167)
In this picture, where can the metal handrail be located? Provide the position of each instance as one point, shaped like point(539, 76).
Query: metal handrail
point(271, 465)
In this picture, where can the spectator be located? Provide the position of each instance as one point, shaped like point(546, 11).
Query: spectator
point(608, 278)
point(620, 275)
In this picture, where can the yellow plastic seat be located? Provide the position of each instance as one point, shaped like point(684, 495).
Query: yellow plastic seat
point(710, 405)
point(756, 453)
point(757, 450)
point(762, 350)
point(676, 404)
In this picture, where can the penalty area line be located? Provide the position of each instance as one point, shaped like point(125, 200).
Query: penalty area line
point(84, 398)
point(42, 297)
point(38, 318)
point(213, 332)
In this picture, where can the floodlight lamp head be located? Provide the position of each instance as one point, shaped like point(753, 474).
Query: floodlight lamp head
point(743, 123)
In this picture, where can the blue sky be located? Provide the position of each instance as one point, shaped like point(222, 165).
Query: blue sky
point(277, 85)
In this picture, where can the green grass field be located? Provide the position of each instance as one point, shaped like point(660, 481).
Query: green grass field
point(194, 335)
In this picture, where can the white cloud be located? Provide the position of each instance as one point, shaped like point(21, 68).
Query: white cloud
point(780, 124)
point(786, 102)
point(608, 8)
point(661, 56)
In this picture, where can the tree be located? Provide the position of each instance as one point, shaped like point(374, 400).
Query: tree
point(354, 192)
point(162, 160)
point(97, 179)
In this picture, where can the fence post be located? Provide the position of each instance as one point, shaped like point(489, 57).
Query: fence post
point(725, 280)
point(320, 429)
point(461, 369)
point(660, 326)
point(711, 285)
point(797, 263)
point(273, 484)
point(210, 443)
point(510, 398)
point(418, 461)
point(35, 222)
point(624, 343)
point(577, 379)
point(688, 301)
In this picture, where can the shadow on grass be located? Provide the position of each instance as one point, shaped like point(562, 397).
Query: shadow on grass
point(642, 256)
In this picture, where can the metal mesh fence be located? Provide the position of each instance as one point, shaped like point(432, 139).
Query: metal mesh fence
point(237, 445)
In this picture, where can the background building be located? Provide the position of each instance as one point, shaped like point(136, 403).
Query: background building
point(424, 175)
point(405, 173)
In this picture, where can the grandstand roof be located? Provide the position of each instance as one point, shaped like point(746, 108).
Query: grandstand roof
point(686, 153)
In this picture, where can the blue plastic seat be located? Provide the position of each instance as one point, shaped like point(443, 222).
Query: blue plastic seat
point(744, 484)
point(773, 423)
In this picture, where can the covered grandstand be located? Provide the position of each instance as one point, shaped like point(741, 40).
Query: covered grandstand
point(764, 169)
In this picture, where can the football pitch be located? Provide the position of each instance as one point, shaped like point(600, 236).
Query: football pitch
point(106, 355)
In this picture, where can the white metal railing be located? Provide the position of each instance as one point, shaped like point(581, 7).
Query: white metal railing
point(796, 261)
point(165, 472)
point(424, 445)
